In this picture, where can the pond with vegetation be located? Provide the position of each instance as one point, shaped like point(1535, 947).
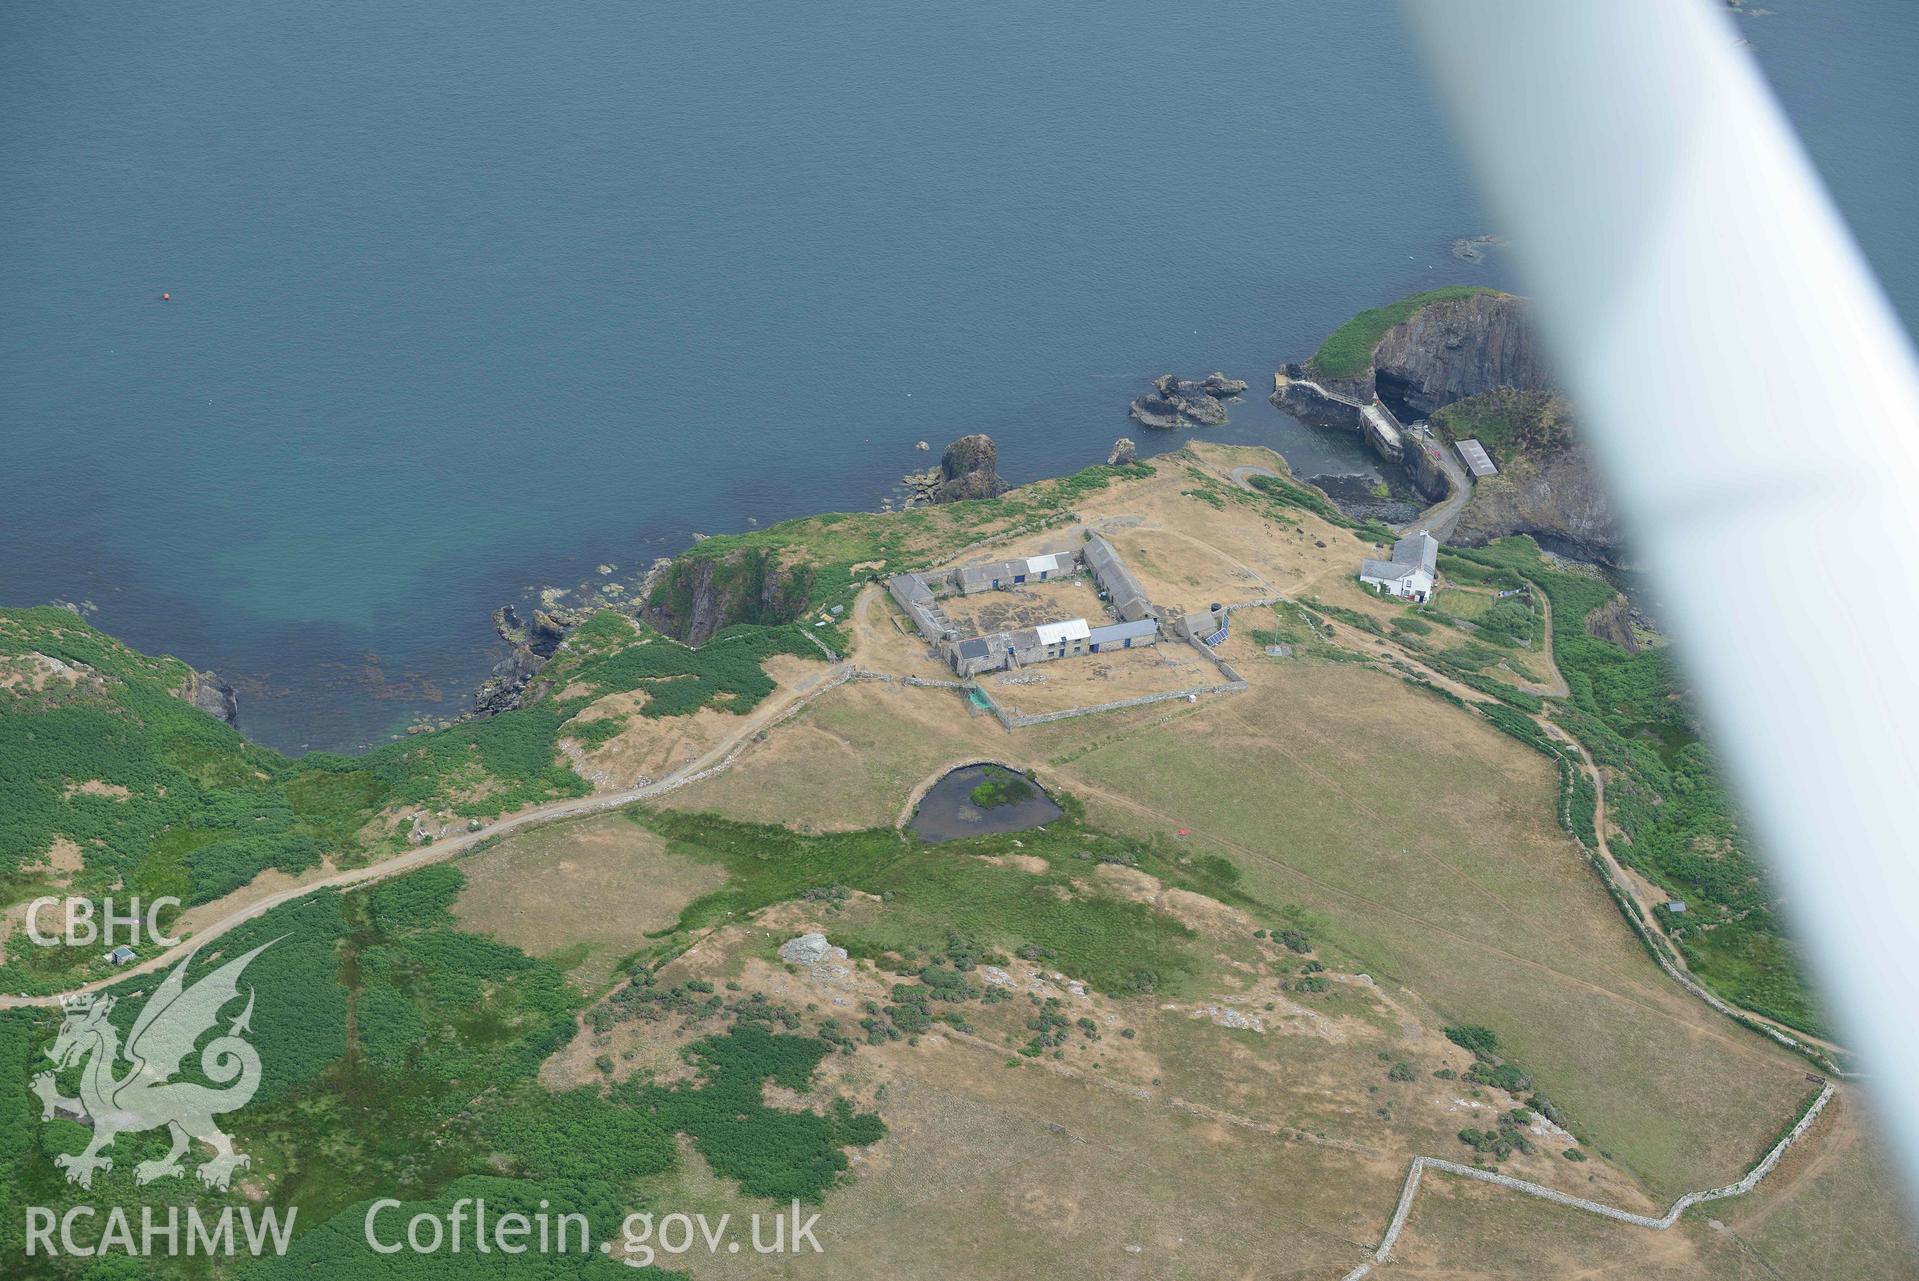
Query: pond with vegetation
point(976, 799)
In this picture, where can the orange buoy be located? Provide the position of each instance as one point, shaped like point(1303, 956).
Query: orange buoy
point(166, 297)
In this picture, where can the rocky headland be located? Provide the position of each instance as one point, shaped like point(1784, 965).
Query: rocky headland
point(1471, 364)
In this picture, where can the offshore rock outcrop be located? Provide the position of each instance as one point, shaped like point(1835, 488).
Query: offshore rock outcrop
point(512, 682)
point(968, 469)
point(1124, 453)
point(1179, 402)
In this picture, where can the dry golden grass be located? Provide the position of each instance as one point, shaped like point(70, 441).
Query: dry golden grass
point(1422, 845)
point(1095, 679)
point(1426, 840)
point(849, 760)
point(585, 893)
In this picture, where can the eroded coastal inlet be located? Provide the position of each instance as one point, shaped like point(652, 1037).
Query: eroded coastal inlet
point(1163, 869)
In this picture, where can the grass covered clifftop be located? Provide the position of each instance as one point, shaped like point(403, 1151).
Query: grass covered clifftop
point(117, 785)
point(1348, 350)
point(1510, 423)
point(808, 565)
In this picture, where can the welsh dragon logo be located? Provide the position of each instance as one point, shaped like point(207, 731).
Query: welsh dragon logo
point(145, 1097)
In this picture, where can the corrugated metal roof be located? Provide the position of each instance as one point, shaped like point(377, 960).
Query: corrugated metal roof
point(1054, 633)
point(1476, 458)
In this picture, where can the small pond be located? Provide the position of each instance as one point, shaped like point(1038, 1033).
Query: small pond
point(974, 800)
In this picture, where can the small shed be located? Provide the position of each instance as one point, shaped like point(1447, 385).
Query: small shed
point(1477, 461)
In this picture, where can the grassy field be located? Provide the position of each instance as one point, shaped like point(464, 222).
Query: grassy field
point(1348, 350)
point(583, 895)
point(1465, 1229)
point(1665, 793)
point(1427, 842)
point(1829, 1211)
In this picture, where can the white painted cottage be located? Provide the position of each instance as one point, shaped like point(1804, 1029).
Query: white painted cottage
point(1410, 573)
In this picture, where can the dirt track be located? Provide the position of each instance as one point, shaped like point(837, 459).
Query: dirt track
point(717, 757)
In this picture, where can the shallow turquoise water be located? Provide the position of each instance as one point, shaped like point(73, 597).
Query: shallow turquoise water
point(469, 298)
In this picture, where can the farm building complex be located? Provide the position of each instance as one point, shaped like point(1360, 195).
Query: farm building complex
point(1135, 620)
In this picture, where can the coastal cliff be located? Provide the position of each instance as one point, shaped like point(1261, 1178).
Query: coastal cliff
point(211, 695)
point(1428, 350)
point(1456, 348)
point(1545, 487)
point(1556, 500)
point(697, 595)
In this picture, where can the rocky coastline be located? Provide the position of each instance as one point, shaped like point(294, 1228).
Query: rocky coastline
point(1445, 352)
point(1474, 353)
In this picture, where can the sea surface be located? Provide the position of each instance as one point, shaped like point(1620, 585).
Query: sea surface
point(468, 299)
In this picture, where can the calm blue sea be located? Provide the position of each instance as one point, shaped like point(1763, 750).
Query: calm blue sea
point(470, 298)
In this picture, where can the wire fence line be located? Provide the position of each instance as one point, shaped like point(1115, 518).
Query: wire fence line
point(1423, 1163)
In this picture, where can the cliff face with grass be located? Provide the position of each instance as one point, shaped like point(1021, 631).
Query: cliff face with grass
point(699, 595)
point(1459, 347)
point(1468, 359)
point(1544, 487)
point(1428, 350)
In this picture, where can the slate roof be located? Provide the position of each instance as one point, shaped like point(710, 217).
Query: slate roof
point(1129, 599)
point(1390, 571)
point(1124, 631)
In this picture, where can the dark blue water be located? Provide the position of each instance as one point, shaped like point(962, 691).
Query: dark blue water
point(470, 298)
